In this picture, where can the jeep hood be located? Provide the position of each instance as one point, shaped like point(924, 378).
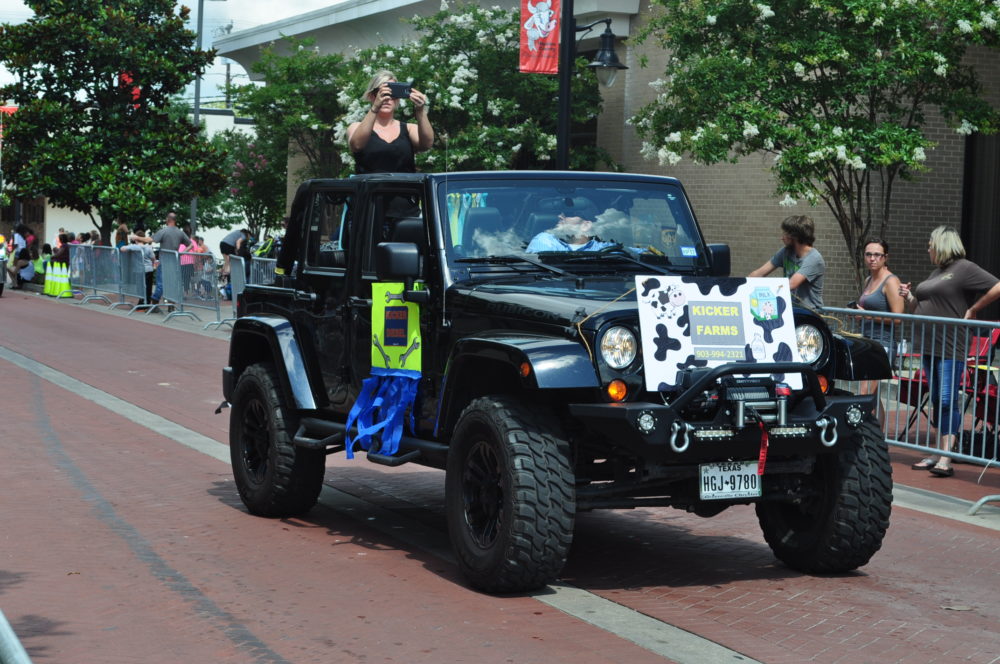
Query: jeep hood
point(551, 302)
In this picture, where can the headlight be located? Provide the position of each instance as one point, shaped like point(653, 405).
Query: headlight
point(618, 347)
point(810, 342)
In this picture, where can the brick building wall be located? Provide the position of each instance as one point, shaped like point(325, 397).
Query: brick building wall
point(735, 203)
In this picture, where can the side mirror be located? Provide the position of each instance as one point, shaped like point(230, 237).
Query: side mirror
point(720, 260)
point(397, 261)
point(400, 261)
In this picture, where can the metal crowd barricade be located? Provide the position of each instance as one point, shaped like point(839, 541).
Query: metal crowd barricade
point(195, 288)
point(95, 268)
point(107, 272)
point(262, 271)
point(81, 267)
point(237, 281)
point(174, 286)
point(908, 404)
point(132, 279)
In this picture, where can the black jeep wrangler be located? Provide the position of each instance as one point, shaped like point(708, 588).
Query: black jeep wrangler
point(580, 347)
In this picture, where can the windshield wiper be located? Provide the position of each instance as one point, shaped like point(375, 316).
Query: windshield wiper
point(508, 259)
point(617, 251)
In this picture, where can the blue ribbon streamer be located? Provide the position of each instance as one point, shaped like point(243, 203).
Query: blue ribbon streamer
point(379, 409)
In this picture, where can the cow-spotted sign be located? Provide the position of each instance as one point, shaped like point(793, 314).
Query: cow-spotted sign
point(689, 322)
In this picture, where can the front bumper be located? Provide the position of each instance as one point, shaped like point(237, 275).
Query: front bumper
point(657, 432)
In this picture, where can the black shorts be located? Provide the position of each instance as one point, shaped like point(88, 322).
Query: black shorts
point(226, 248)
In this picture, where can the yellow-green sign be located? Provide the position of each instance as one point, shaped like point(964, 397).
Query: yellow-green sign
point(395, 329)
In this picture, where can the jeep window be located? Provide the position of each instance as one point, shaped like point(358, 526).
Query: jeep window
point(652, 221)
point(386, 209)
point(329, 219)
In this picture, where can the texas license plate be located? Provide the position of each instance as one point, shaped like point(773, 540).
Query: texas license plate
point(729, 479)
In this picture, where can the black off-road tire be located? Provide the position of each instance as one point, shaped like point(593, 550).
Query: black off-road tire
point(842, 526)
point(509, 496)
point(273, 476)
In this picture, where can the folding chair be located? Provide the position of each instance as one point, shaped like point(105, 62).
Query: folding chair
point(915, 393)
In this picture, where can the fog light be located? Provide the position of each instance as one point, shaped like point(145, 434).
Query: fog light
point(646, 422)
point(617, 390)
point(854, 415)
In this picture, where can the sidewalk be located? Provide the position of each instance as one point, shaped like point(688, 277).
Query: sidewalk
point(185, 323)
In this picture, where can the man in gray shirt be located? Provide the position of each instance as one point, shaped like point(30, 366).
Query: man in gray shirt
point(170, 237)
point(803, 265)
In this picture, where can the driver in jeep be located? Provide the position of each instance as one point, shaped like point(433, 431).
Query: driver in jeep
point(569, 234)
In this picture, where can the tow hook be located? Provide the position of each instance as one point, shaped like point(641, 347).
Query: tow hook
point(827, 430)
point(682, 428)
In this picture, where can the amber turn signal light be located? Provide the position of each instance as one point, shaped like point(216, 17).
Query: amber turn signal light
point(617, 390)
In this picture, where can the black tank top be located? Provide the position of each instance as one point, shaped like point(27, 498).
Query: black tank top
point(378, 156)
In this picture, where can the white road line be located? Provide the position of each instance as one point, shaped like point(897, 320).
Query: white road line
point(651, 634)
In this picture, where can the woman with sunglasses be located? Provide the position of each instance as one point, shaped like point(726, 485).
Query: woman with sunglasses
point(879, 293)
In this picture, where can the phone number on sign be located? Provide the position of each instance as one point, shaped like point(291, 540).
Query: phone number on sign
point(720, 354)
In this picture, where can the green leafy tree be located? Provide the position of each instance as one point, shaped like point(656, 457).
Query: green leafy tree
point(299, 106)
point(486, 114)
point(256, 181)
point(94, 131)
point(837, 90)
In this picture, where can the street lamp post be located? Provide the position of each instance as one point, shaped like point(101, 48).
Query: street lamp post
point(605, 64)
point(197, 104)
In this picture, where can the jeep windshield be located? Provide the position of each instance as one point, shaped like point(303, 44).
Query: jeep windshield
point(579, 224)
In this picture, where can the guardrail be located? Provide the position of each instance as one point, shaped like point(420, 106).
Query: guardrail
point(945, 370)
point(190, 280)
point(237, 282)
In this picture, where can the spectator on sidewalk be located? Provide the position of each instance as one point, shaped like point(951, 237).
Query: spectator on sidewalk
point(148, 261)
point(20, 265)
point(956, 288)
point(169, 238)
point(236, 242)
point(801, 263)
point(121, 236)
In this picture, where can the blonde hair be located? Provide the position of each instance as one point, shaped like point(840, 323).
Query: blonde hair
point(380, 77)
point(947, 245)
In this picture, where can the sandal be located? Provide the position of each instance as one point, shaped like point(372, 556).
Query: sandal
point(942, 472)
point(924, 464)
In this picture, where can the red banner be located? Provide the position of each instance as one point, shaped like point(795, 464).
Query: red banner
point(540, 36)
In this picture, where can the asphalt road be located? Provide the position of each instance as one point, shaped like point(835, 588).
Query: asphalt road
point(123, 540)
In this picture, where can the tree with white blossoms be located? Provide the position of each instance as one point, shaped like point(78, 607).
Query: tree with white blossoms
point(836, 90)
point(297, 110)
point(486, 114)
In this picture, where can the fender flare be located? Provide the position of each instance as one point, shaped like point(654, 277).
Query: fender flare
point(859, 358)
point(272, 338)
point(555, 364)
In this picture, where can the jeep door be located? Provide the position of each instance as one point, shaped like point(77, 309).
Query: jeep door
point(386, 205)
point(321, 300)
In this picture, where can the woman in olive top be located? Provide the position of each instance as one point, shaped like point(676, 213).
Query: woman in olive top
point(957, 288)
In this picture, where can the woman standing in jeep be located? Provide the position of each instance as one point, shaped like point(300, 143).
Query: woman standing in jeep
point(379, 142)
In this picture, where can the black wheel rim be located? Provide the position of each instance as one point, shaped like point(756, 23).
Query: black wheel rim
point(256, 439)
point(482, 493)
